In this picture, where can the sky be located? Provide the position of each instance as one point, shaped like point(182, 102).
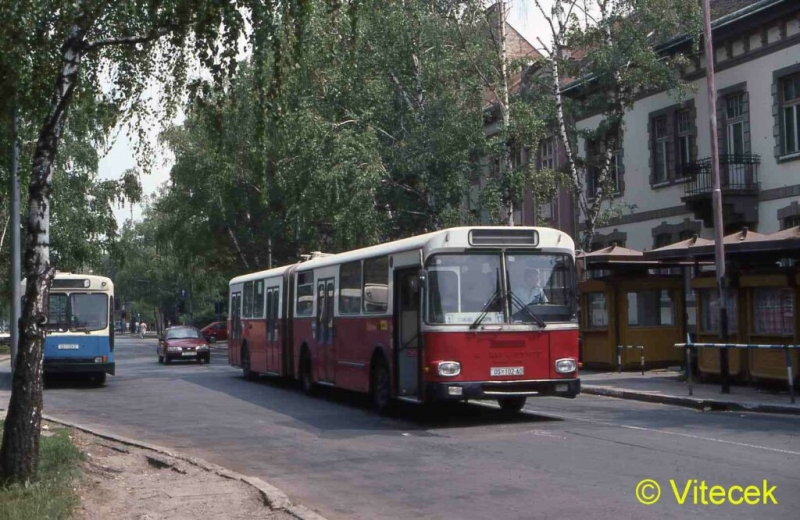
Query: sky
point(523, 16)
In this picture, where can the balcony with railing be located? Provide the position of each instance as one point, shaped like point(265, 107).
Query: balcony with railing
point(738, 176)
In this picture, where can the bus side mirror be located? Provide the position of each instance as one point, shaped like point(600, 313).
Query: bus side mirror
point(423, 278)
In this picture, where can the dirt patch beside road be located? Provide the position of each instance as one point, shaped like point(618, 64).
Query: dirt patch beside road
point(126, 482)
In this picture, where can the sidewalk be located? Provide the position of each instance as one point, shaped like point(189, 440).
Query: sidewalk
point(669, 387)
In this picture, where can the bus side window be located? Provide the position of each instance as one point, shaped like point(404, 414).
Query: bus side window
point(305, 294)
point(376, 284)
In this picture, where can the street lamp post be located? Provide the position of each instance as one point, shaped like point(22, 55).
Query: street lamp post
point(719, 247)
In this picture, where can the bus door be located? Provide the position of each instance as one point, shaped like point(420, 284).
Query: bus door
point(325, 354)
point(407, 337)
point(272, 332)
point(236, 328)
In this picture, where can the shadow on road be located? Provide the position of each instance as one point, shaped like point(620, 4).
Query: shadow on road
point(331, 410)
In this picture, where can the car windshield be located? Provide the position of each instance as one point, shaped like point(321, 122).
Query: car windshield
point(77, 312)
point(183, 333)
point(463, 286)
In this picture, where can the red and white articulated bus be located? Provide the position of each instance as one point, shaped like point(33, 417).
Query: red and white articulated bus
point(457, 314)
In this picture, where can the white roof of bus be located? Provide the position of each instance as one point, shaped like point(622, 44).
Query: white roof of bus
point(269, 273)
point(93, 279)
point(549, 238)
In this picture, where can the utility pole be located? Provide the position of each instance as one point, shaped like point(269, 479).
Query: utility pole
point(16, 267)
point(719, 247)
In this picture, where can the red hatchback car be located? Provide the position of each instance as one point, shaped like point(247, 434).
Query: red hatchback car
point(184, 343)
point(214, 331)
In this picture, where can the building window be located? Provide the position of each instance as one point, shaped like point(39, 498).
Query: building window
point(790, 222)
point(660, 144)
point(710, 307)
point(595, 160)
point(661, 240)
point(598, 310)
point(790, 110)
point(547, 153)
point(685, 142)
point(773, 311)
point(734, 123)
point(655, 308)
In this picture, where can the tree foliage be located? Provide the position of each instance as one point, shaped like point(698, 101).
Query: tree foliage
point(609, 50)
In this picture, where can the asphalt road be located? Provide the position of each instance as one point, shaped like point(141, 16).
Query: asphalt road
point(561, 458)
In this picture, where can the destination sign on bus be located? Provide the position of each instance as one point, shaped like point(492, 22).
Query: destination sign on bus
point(467, 318)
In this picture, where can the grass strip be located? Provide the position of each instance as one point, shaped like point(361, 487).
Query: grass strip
point(53, 493)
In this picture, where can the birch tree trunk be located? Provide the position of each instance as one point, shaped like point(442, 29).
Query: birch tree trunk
point(19, 454)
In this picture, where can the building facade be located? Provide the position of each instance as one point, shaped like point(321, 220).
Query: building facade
point(664, 170)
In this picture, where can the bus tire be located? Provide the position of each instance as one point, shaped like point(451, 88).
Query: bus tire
point(306, 375)
point(380, 386)
point(248, 374)
point(511, 404)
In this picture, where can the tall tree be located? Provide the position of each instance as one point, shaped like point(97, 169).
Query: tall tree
point(56, 55)
point(608, 49)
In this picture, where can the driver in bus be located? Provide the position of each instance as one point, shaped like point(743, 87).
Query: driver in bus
point(536, 295)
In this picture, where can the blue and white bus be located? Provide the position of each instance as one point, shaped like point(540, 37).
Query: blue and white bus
point(80, 326)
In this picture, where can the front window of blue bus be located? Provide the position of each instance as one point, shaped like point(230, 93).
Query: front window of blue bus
point(57, 315)
point(465, 289)
point(88, 312)
point(77, 312)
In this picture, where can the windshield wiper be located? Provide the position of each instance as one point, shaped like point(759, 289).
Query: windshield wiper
point(539, 321)
point(485, 310)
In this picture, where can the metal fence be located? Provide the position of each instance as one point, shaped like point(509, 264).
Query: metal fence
point(785, 348)
point(628, 347)
point(737, 172)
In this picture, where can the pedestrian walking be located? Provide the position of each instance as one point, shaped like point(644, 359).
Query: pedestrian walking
point(143, 328)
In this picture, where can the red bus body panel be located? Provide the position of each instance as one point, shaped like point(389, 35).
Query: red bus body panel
point(479, 351)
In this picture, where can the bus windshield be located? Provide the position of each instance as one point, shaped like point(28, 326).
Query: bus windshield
point(77, 312)
point(462, 287)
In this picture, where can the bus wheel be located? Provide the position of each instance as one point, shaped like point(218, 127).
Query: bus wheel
point(380, 386)
point(511, 404)
point(246, 372)
point(306, 379)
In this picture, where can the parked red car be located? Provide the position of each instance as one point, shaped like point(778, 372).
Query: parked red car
point(184, 343)
point(214, 331)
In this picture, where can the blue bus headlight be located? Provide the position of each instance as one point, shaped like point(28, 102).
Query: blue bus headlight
point(566, 365)
point(449, 368)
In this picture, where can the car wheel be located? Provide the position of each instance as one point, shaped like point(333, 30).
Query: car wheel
point(167, 360)
point(380, 386)
point(511, 404)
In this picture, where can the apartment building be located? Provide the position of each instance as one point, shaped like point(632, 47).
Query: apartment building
point(663, 174)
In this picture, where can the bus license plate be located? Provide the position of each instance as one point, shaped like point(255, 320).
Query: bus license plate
point(189, 353)
point(507, 371)
point(69, 346)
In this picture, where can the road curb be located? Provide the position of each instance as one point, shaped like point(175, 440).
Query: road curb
point(274, 497)
point(689, 402)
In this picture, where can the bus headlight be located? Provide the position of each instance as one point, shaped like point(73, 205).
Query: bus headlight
point(565, 366)
point(449, 368)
